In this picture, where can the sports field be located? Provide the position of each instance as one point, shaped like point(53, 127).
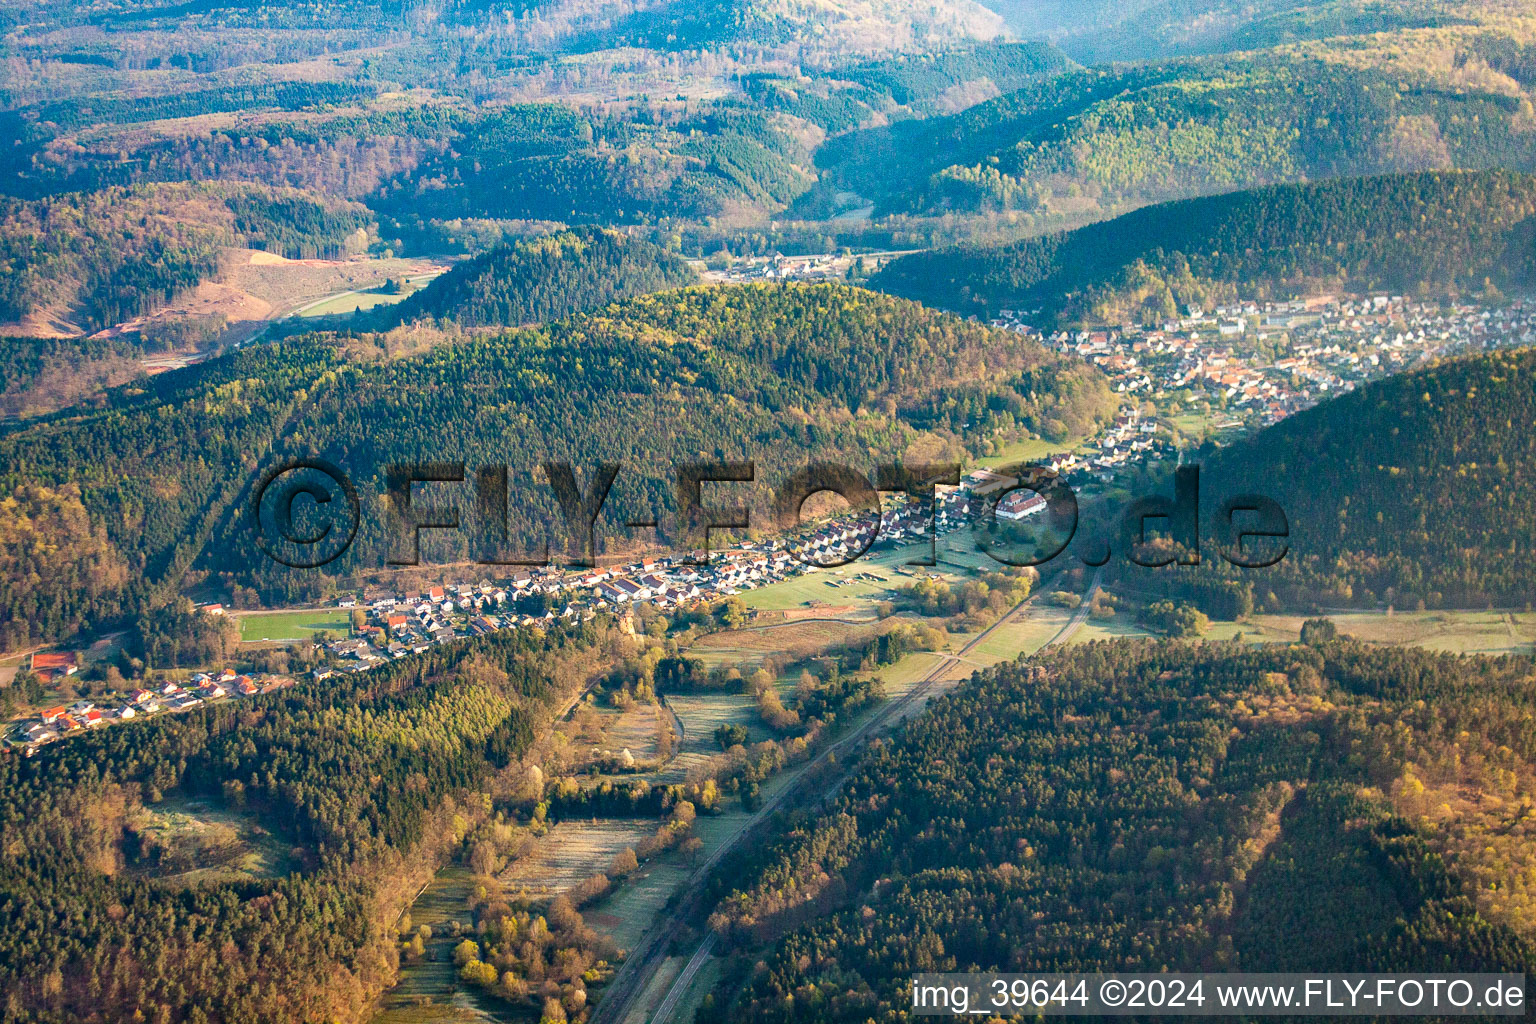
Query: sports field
point(256, 627)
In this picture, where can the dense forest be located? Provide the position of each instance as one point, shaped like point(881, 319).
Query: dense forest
point(41, 374)
point(1430, 234)
point(764, 373)
point(366, 780)
point(1412, 491)
point(1147, 806)
point(103, 257)
point(543, 279)
point(1097, 141)
point(137, 487)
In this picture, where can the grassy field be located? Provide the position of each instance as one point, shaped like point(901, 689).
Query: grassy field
point(796, 639)
point(624, 914)
point(1027, 451)
point(593, 732)
point(906, 673)
point(256, 627)
point(1026, 634)
point(1456, 632)
point(846, 595)
point(429, 992)
point(700, 715)
point(365, 299)
point(571, 852)
point(839, 590)
point(223, 844)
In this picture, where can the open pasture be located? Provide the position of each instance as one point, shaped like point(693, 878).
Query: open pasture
point(571, 852)
point(1455, 632)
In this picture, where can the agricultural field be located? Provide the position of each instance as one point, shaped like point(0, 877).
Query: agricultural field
point(1456, 632)
point(366, 298)
point(274, 627)
point(570, 852)
point(795, 639)
point(429, 992)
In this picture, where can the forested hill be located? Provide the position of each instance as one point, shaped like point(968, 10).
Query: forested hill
point(539, 280)
point(1417, 488)
point(361, 785)
point(1432, 233)
point(780, 374)
point(1150, 806)
point(102, 257)
point(1390, 94)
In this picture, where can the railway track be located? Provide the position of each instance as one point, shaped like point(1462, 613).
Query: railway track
point(640, 966)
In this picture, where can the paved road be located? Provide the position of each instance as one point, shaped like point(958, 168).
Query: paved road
point(630, 982)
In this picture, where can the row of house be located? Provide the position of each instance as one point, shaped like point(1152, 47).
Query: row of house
point(165, 697)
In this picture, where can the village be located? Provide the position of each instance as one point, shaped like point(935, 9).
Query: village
point(1257, 363)
point(392, 624)
point(829, 266)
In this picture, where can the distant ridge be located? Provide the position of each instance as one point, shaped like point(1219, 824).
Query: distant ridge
point(1430, 233)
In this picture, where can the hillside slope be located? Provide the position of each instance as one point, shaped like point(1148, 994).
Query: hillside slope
point(782, 375)
point(361, 783)
point(1310, 92)
point(102, 257)
point(1431, 233)
point(1140, 806)
point(1099, 31)
point(821, 31)
point(1414, 489)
